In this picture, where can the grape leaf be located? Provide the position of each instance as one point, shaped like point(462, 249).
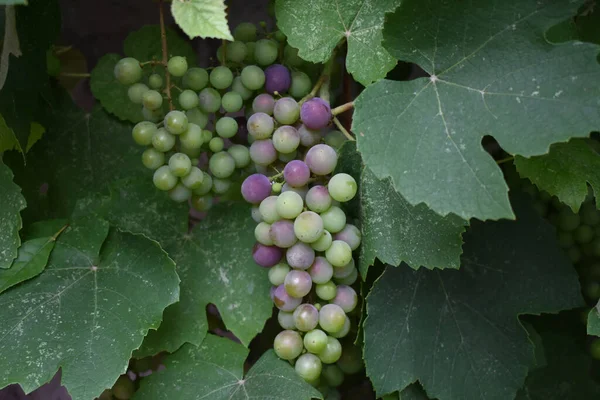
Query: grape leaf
point(98, 286)
point(202, 18)
point(215, 370)
point(145, 45)
point(316, 27)
point(564, 172)
point(31, 260)
point(498, 78)
point(11, 204)
point(458, 332)
point(593, 321)
point(111, 93)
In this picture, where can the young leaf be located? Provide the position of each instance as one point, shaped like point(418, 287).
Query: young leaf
point(458, 332)
point(11, 204)
point(564, 172)
point(96, 288)
point(501, 78)
point(316, 27)
point(202, 18)
point(215, 370)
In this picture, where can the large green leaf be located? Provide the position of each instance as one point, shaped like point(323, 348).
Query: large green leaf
point(498, 78)
point(11, 204)
point(202, 18)
point(215, 370)
point(316, 27)
point(458, 332)
point(564, 172)
point(88, 310)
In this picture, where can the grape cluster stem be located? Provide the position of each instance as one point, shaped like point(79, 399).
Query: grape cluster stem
point(339, 125)
point(325, 74)
point(165, 53)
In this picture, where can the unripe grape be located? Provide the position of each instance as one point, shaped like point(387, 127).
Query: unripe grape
point(308, 227)
point(197, 117)
point(240, 155)
point(216, 144)
point(128, 71)
point(342, 187)
point(283, 300)
point(288, 345)
point(143, 132)
point(176, 122)
point(266, 256)
point(202, 203)
point(351, 360)
point(188, 99)
point(268, 209)
point(177, 66)
point(253, 77)
point(260, 125)
point(286, 139)
point(277, 79)
point(152, 115)
point(232, 102)
point(180, 164)
point(297, 283)
point(136, 91)
point(192, 138)
point(326, 291)
point(245, 32)
point(152, 158)
point(206, 185)
point(263, 103)
point(308, 366)
point(221, 165)
point(286, 111)
point(162, 140)
point(296, 173)
point(226, 127)
point(308, 137)
point(255, 214)
point(155, 81)
point(261, 233)
point(345, 330)
point(194, 179)
point(236, 51)
point(318, 199)
point(164, 179)
point(277, 275)
point(333, 375)
point(349, 280)
point(315, 341)
point(266, 52)
point(262, 152)
point(180, 193)
point(221, 77)
point(285, 319)
point(300, 256)
point(339, 253)
point(315, 113)
point(289, 205)
point(301, 85)
point(323, 243)
point(210, 100)
point(321, 159)
point(334, 219)
point(195, 79)
point(351, 235)
point(331, 318)
point(238, 87)
point(256, 188)
point(320, 271)
point(152, 100)
point(306, 317)
point(346, 298)
point(206, 135)
point(282, 234)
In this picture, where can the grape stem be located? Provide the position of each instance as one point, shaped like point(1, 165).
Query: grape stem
point(343, 108)
point(342, 129)
point(165, 53)
point(275, 177)
point(74, 75)
point(324, 77)
point(153, 62)
point(505, 160)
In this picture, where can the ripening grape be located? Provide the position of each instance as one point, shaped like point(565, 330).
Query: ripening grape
point(315, 113)
point(266, 256)
point(289, 205)
point(282, 234)
point(205, 186)
point(180, 193)
point(326, 291)
point(198, 117)
point(277, 79)
point(266, 52)
point(177, 66)
point(300, 256)
point(308, 137)
point(152, 100)
point(346, 298)
point(351, 235)
point(320, 271)
point(263, 103)
point(180, 164)
point(216, 144)
point(285, 319)
point(240, 155)
point(221, 77)
point(176, 122)
point(162, 140)
point(260, 125)
point(164, 179)
point(232, 102)
point(290, 56)
point(128, 71)
point(192, 138)
point(301, 85)
point(283, 300)
point(152, 158)
point(339, 253)
point(288, 344)
point(262, 152)
point(315, 341)
point(345, 330)
point(286, 139)
point(323, 243)
point(308, 366)
point(297, 283)
point(210, 100)
point(342, 187)
point(333, 375)
point(331, 318)
point(332, 351)
point(334, 219)
point(318, 199)
point(143, 132)
point(155, 81)
point(238, 87)
point(296, 173)
point(268, 209)
point(344, 271)
point(195, 79)
point(202, 203)
point(136, 91)
point(236, 51)
point(245, 32)
point(221, 165)
point(321, 159)
point(278, 273)
point(306, 317)
point(308, 227)
point(286, 111)
point(226, 127)
point(253, 77)
point(261, 233)
point(188, 99)
point(349, 280)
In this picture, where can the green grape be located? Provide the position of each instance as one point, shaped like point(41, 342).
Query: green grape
point(344, 271)
point(136, 91)
point(155, 81)
point(123, 388)
point(262, 236)
point(332, 318)
point(288, 345)
point(176, 122)
point(210, 100)
point(345, 330)
point(301, 85)
point(286, 319)
point(250, 49)
point(333, 375)
point(152, 100)
point(567, 220)
point(332, 352)
point(180, 193)
point(278, 272)
point(335, 139)
point(315, 341)
point(584, 234)
point(163, 140)
point(221, 165)
point(342, 187)
point(308, 226)
point(128, 71)
point(280, 36)
point(220, 55)
point(195, 79)
point(220, 186)
point(188, 99)
point(190, 152)
point(192, 138)
point(194, 179)
point(207, 136)
point(323, 243)
point(164, 179)
point(308, 366)
point(202, 203)
point(334, 219)
point(180, 164)
point(286, 139)
point(339, 253)
point(232, 102)
point(236, 51)
point(276, 187)
point(152, 115)
point(238, 87)
point(142, 133)
point(266, 52)
point(205, 186)
point(326, 291)
point(196, 116)
point(240, 155)
point(268, 210)
point(226, 127)
point(152, 158)
point(177, 66)
point(350, 279)
point(289, 205)
point(253, 77)
point(221, 77)
point(245, 32)
point(216, 144)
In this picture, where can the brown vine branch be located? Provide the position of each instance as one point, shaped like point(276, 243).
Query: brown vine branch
point(165, 53)
point(343, 108)
point(342, 129)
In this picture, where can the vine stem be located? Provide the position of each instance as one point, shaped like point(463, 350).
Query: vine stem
point(505, 160)
point(75, 75)
point(274, 177)
point(342, 129)
point(165, 53)
point(153, 62)
point(322, 79)
point(343, 108)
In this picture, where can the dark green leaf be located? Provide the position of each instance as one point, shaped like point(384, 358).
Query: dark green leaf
point(458, 332)
point(11, 204)
point(145, 45)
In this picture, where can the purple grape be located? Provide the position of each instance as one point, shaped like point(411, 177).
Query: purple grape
point(297, 283)
point(296, 173)
point(315, 113)
point(350, 234)
point(308, 138)
point(321, 159)
point(321, 270)
point(346, 298)
point(283, 300)
point(266, 256)
point(278, 79)
point(262, 152)
point(263, 103)
point(282, 234)
point(300, 256)
point(256, 188)
point(318, 199)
